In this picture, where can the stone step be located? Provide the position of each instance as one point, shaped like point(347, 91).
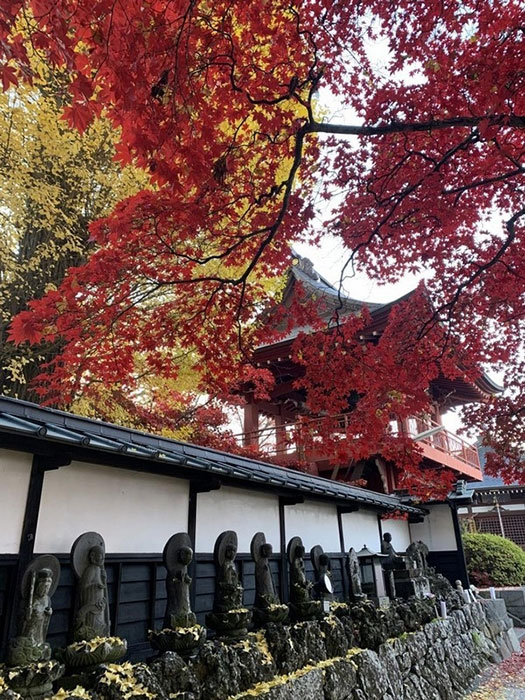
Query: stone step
point(520, 633)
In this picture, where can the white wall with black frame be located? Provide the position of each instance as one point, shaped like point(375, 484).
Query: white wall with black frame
point(134, 511)
point(437, 529)
point(243, 510)
point(361, 528)
point(315, 522)
point(15, 472)
point(400, 531)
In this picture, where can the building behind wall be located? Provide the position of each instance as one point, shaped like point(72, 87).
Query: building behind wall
point(275, 425)
point(62, 475)
point(497, 508)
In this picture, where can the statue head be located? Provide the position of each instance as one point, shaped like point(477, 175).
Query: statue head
point(43, 582)
point(387, 537)
point(299, 551)
point(230, 551)
point(185, 555)
point(324, 560)
point(266, 550)
point(96, 556)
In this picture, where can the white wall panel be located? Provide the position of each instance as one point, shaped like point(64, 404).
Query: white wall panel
point(246, 512)
point(315, 522)
point(360, 528)
point(437, 530)
point(399, 529)
point(15, 471)
point(133, 511)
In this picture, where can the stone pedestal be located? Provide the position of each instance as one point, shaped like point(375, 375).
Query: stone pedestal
point(411, 582)
point(34, 681)
point(185, 641)
point(309, 610)
point(230, 625)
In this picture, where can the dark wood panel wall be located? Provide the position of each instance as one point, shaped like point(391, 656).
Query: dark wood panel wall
point(137, 594)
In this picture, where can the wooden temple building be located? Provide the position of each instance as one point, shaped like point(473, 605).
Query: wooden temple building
point(273, 426)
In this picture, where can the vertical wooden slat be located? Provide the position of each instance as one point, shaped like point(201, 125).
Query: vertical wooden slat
point(153, 594)
point(116, 602)
point(283, 578)
point(29, 527)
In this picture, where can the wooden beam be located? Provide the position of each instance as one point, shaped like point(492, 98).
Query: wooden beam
point(197, 486)
point(462, 564)
point(40, 465)
point(283, 502)
point(250, 424)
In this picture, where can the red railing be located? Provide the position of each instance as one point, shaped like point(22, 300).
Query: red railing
point(288, 441)
point(443, 441)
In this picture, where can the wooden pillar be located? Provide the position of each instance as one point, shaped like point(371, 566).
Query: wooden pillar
point(462, 564)
point(280, 435)
point(197, 486)
point(40, 465)
point(251, 424)
point(283, 502)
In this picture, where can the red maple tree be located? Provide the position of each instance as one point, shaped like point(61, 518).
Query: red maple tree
point(220, 102)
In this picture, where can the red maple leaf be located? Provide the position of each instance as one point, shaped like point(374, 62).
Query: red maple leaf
point(25, 327)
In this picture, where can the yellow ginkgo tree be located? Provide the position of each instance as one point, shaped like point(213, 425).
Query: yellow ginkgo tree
point(53, 183)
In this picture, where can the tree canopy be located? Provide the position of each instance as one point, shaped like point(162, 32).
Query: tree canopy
point(222, 104)
point(54, 182)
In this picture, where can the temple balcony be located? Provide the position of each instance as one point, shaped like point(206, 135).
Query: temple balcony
point(300, 443)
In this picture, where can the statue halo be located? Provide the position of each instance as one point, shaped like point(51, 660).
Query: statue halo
point(224, 540)
point(172, 547)
point(81, 548)
point(255, 547)
point(292, 546)
point(45, 561)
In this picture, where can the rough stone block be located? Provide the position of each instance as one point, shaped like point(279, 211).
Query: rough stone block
point(340, 680)
point(371, 675)
point(308, 687)
point(334, 637)
point(388, 659)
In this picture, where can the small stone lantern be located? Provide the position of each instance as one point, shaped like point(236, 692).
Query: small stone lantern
point(372, 578)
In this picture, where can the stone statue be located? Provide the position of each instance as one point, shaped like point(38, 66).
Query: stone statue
point(414, 555)
point(177, 556)
point(39, 582)
point(92, 610)
point(300, 587)
point(418, 553)
point(323, 587)
point(267, 606)
point(394, 561)
point(229, 617)
point(424, 552)
point(229, 591)
point(92, 643)
point(354, 575)
point(180, 633)
point(32, 672)
point(301, 603)
point(264, 588)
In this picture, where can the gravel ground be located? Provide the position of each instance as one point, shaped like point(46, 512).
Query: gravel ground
point(503, 682)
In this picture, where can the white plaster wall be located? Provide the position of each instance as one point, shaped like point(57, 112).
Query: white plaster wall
point(133, 511)
point(360, 528)
point(315, 523)
point(399, 529)
point(437, 530)
point(15, 471)
point(246, 512)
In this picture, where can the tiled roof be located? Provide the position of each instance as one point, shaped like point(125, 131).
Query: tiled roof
point(92, 436)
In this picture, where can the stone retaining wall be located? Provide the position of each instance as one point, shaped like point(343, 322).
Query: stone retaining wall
point(325, 660)
point(514, 598)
